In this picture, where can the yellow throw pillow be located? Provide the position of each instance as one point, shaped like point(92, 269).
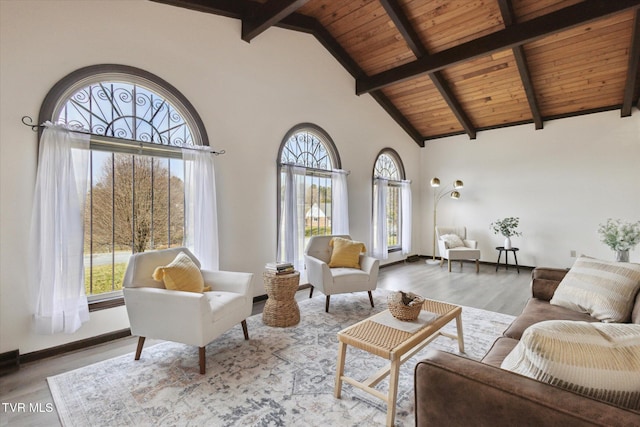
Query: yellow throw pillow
point(181, 275)
point(346, 253)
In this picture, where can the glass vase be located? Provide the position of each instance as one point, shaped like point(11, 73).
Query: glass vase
point(622, 256)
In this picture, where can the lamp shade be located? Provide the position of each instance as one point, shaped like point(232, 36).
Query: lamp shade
point(435, 182)
point(458, 184)
point(455, 195)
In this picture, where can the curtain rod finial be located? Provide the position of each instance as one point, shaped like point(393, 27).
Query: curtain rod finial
point(28, 121)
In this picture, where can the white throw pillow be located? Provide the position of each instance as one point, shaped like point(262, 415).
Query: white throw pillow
point(599, 360)
point(452, 240)
point(604, 289)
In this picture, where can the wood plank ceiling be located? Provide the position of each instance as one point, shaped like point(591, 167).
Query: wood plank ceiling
point(449, 67)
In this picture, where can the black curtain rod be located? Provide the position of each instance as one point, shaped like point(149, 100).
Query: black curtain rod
point(28, 121)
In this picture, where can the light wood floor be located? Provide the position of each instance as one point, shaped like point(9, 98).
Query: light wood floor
point(502, 291)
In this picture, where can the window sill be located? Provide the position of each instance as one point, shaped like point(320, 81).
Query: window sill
point(106, 303)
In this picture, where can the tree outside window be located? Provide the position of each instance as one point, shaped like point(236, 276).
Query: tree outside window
point(136, 198)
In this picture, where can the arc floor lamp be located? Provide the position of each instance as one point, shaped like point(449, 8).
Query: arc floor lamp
point(438, 194)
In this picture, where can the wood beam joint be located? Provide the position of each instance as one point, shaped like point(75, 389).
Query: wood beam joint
point(508, 16)
point(402, 23)
point(267, 15)
point(507, 38)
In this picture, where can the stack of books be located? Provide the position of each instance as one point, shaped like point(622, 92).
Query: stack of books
point(279, 267)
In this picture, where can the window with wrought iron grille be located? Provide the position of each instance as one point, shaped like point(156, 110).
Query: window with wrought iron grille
point(388, 166)
point(308, 148)
point(138, 125)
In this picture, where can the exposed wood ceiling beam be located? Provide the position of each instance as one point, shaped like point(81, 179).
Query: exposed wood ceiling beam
point(508, 16)
point(310, 25)
point(515, 35)
point(633, 70)
point(267, 15)
point(402, 23)
point(341, 55)
point(306, 24)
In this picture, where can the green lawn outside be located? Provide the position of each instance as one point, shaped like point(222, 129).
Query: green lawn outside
point(314, 231)
point(102, 278)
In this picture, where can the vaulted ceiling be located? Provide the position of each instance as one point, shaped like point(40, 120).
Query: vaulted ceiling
point(449, 67)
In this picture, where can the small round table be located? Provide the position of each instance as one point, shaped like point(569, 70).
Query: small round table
point(281, 308)
point(506, 257)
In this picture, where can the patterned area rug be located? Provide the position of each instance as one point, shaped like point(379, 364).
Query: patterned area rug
point(280, 377)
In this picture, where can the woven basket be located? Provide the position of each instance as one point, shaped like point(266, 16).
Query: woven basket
point(405, 312)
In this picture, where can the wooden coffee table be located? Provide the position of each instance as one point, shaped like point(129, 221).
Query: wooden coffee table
point(395, 345)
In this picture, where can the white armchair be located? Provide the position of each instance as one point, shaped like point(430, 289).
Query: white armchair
point(468, 249)
point(338, 280)
point(187, 317)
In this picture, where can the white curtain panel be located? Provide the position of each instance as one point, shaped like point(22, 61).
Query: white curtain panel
point(291, 233)
point(340, 202)
point(405, 196)
point(56, 281)
point(201, 213)
point(379, 238)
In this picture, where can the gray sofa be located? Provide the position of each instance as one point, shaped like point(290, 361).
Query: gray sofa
point(451, 390)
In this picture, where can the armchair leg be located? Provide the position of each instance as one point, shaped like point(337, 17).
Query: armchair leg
point(449, 263)
point(370, 298)
point(460, 265)
point(139, 349)
point(245, 330)
point(202, 360)
point(326, 304)
point(477, 266)
point(311, 291)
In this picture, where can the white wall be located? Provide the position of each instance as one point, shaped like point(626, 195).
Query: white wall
point(248, 95)
point(562, 181)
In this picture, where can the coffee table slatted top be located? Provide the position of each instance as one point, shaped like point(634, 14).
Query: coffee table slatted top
point(392, 343)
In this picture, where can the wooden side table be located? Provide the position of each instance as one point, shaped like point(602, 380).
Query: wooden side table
point(281, 308)
point(506, 257)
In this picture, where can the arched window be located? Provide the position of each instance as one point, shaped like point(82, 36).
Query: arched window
point(311, 190)
point(389, 213)
point(138, 124)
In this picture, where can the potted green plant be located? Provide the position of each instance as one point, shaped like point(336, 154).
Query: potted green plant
point(620, 237)
point(508, 228)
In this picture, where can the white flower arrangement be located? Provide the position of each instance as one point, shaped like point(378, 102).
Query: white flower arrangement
point(620, 236)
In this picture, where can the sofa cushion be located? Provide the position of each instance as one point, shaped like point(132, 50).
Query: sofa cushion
point(225, 304)
point(599, 360)
point(635, 313)
point(537, 310)
point(498, 351)
point(604, 289)
point(346, 253)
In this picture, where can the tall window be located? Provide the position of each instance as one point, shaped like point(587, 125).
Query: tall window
point(135, 203)
point(389, 201)
point(307, 167)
